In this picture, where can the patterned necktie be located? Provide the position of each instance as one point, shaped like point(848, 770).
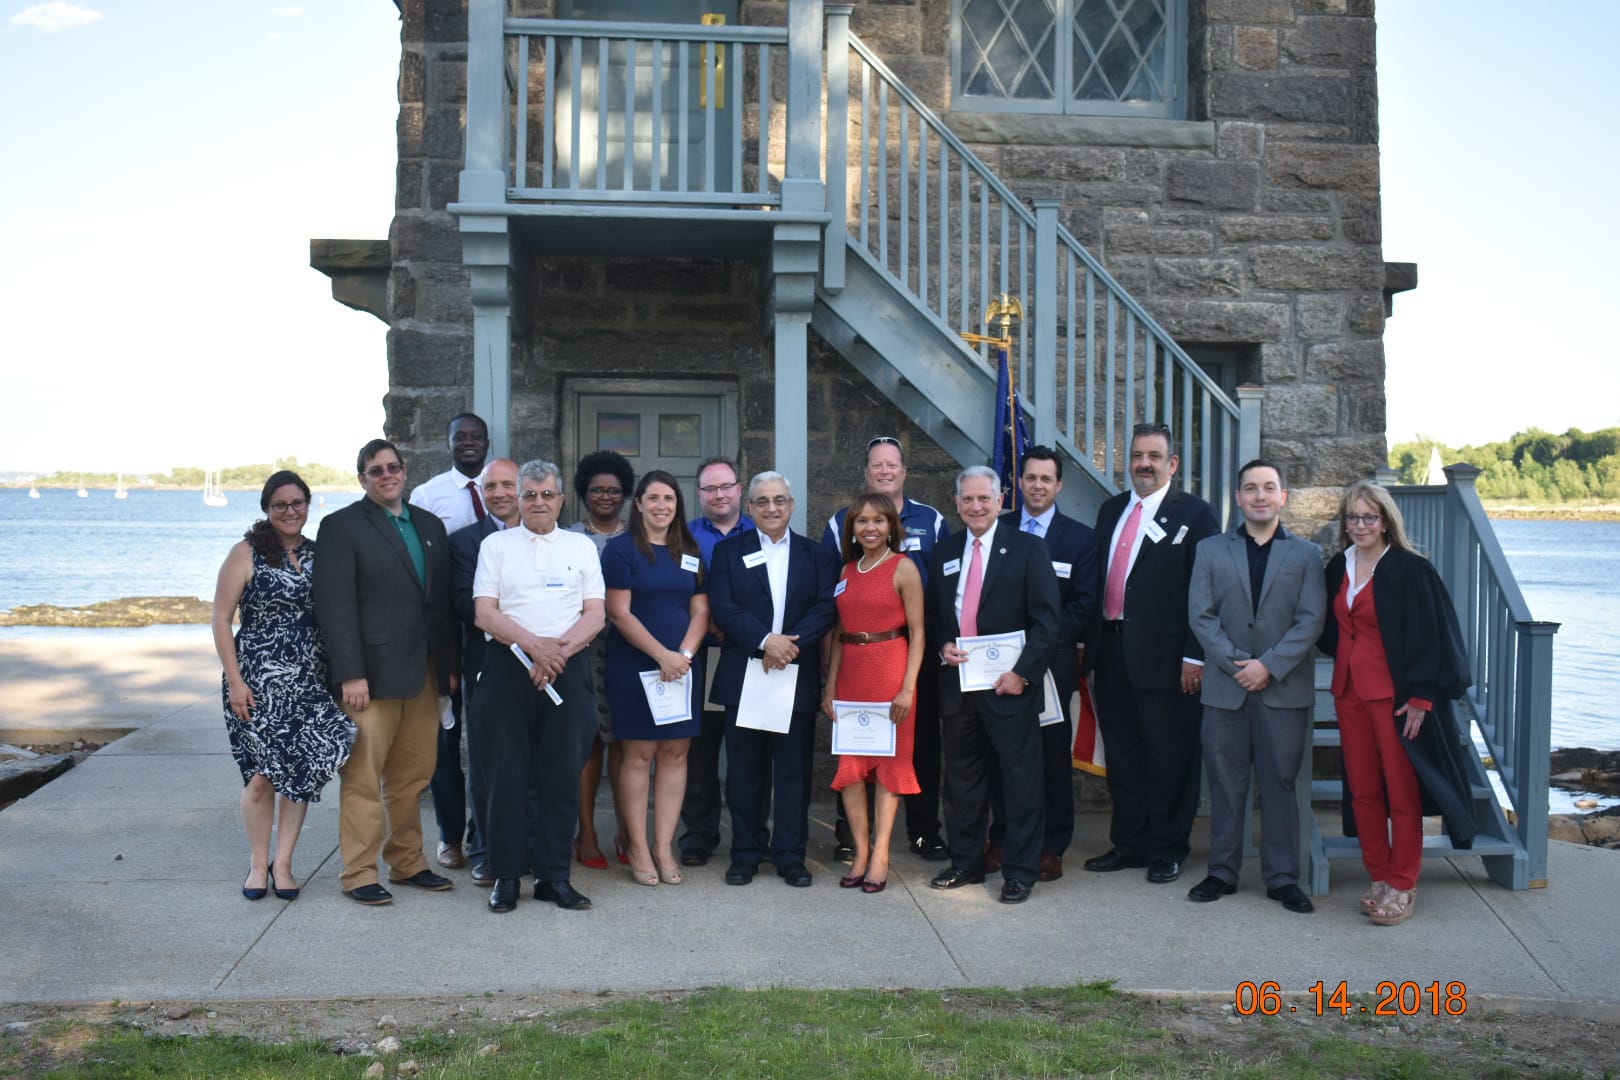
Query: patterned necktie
point(970, 592)
point(1120, 565)
point(478, 504)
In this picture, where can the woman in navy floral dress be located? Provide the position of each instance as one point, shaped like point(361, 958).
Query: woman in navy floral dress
point(288, 735)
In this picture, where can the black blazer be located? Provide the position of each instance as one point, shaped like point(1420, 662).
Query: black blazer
point(1417, 623)
point(377, 621)
point(464, 545)
point(1157, 634)
point(740, 603)
point(1075, 544)
point(1019, 592)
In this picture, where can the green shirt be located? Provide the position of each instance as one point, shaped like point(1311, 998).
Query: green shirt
point(413, 541)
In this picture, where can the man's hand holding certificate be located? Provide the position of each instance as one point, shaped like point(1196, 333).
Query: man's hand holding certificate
point(982, 661)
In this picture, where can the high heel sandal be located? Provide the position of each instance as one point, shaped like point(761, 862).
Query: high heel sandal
point(667, 874)
point(643, 877)
point(281, 894)
point(1396, 907)
point(1373, 897)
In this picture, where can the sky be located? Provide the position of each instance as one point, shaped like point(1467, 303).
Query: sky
point(165, 165)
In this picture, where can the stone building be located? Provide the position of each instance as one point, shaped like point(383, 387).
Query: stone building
point(1218, 159)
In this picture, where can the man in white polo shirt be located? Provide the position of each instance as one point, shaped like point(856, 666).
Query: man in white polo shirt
point(540, 588)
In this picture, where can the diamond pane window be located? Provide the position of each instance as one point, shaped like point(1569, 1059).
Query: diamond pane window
point(1096, 57)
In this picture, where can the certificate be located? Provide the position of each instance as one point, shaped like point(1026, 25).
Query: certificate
point(1051, 709)
point(669, 702)
point(767, 698)
point(989, 657)
point(864, 728)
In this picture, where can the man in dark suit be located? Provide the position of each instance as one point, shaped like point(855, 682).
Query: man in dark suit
point(498, 484)
point(1257, 605)
point(1148, 663)
point(771, 591)
point(1074, 561)
point(382, 600)
point(992, 580)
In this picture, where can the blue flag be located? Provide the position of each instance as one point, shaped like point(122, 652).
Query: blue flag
point(1012, 436)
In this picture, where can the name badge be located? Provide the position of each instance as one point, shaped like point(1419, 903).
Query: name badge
point(689, 563)
point(1154, 531)
point(911, 543)
point(951, 567)
point(1181, 534)
point(838, 590)
point(1062, 569)
point(753, 559)
point(556, 583)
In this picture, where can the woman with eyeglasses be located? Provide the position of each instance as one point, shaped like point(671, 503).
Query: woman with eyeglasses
point(658, 612)
point(601, 481)
point(287, 733)
point(876, 656)
point(1397, 666)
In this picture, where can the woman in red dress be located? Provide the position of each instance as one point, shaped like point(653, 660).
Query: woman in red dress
point(876, 656)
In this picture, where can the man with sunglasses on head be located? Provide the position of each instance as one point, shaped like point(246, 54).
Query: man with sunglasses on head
point(382, 601)
point(924, 527)
point(720, 496)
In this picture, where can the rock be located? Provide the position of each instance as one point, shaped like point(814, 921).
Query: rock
point(178, 1012)
point(10, 752)
point(487, 1050)
point(386, 1020)
point(375, 1071)
point(408, 1068)
point(212, 1015)
point(118, 857)
point(18, 1027)
point(1573, 776)
point(1587, 804)
point(387, 1045)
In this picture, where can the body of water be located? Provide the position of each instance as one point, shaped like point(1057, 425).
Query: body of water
point(60, 549)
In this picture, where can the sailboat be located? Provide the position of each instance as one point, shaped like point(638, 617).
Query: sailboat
point(83, 494)
point(122, 492)
point(213, 491)
point(33, 491)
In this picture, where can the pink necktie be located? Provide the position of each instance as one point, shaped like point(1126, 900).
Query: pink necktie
point(478, 504)
point(1120, 566)
point(970, 593)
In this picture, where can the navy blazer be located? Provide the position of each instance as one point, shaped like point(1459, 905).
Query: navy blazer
point(740, 603)
point(464, 545)
point(378, 622)
point(1019, 592)
point(1157, 633)
point(1075, 544)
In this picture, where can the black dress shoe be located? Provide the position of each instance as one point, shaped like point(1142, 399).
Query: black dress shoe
point(562, 894)
point(694, 857)
point(795, 875)
point(1161, 871)
point(1114, 859)
point(481, 874)
point(844, 853)
point(424, 879)
point(740, 873)
point(253, 894)
point(1211, 888)
point(505, 895)
point(1293, 898)
point(1015, 892)
point(371, 895)
point(954, 877)
point(931, 848)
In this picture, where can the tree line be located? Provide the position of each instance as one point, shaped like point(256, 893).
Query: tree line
point(251, 477)
point(1532, 466)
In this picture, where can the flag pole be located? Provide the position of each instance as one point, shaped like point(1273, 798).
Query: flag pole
point(1005, 309)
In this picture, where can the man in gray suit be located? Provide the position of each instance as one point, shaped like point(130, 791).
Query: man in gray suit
point(1256, 602)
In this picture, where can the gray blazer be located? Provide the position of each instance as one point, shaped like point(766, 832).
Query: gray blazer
point(1281, 634)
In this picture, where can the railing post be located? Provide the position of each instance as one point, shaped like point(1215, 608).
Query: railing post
point(1456, 538)
point(802, 188)
point(1250, 398)
point(1535, 671)
point(834, 240)
point(1045, 302)
point(483, 181)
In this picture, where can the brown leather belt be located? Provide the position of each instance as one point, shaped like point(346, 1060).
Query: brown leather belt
point(864, 638)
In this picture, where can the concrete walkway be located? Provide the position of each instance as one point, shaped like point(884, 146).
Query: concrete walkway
point(121, 878)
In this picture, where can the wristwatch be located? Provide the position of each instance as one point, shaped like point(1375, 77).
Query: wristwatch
point(687, 653)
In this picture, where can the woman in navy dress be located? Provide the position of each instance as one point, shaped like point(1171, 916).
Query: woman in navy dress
point(658, 612)
point(288, 735)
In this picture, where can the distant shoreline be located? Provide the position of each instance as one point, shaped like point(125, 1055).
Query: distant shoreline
point(1558, 512)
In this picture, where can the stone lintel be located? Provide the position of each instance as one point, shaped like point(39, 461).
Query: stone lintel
point(359, 272)
point(1029, 130)
point(1399, 277)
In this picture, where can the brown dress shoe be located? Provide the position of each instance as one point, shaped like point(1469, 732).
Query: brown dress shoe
point(1051, 868)
point(451, 857)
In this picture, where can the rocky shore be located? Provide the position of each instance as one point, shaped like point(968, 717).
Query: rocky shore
point(1590, 772)
point(131, 611)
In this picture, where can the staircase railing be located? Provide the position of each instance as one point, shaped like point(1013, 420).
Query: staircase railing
point(1509, 652)
point(1089, 361)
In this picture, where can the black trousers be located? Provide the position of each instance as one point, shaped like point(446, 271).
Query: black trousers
point(1057, 789)
point(758, 762)
point(527, 740)
point(700, 809)
point(978, 741)
point(449, 784)
point(1151, 738)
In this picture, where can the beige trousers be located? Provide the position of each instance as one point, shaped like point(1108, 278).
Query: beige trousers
point(379, 804)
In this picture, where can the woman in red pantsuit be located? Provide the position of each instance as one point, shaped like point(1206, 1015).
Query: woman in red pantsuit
point(1396, 668)
point(876, 656)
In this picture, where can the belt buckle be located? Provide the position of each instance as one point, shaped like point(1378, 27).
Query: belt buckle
point(866, 638)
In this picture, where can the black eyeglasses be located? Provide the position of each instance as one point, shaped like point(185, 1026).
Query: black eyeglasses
point(393, 468)
point(1363, 519)
point(288, 507)
point(715, 489)
point(597, 492)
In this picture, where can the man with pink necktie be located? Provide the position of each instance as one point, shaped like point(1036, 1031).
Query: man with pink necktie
point(992, 579)
point(1148, 662)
